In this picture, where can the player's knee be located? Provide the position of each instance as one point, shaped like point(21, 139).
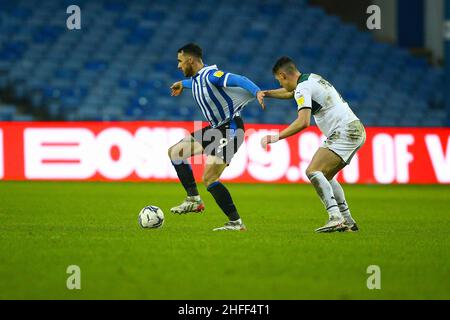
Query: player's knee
point(329, 175)
point(170, 152)
point(210, 177)
point(310, 172)
point(175, 153)
point(207, 180)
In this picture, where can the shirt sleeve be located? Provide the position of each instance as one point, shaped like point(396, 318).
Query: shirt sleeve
point(187, 83)
point(303, 98)
point(222, 79)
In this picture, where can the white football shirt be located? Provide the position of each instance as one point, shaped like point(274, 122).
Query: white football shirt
point(329, 109)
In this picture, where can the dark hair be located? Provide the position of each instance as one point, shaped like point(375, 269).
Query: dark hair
point(192, 49)
point(285, 63)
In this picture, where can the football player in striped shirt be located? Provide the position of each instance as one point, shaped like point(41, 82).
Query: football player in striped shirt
point(220, 96)
point(344, 131)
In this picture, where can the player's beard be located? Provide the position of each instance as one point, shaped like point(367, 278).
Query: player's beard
point(189, 71)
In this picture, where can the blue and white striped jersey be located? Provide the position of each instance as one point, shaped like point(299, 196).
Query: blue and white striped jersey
point(220, 95)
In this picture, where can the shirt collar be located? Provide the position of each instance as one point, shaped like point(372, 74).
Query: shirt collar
point(303, 77)
point(203, 69)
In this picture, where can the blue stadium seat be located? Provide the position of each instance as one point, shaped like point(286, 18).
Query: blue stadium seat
point(122, 63)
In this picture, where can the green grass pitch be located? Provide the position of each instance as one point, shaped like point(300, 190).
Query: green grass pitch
point(45, 227)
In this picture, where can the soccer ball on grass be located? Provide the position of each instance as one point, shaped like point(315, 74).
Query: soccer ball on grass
point(151, 217)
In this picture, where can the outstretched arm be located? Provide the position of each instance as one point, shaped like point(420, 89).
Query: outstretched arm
point(234, 80)
point(304, 103)
point(177, 87)
point(221, 79)
point(187, 83)
point(302, 122)
point(279, 94)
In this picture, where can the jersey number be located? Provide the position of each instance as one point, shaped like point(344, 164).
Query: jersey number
point(327, 84)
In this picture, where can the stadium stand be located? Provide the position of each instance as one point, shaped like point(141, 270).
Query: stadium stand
point(120, 64)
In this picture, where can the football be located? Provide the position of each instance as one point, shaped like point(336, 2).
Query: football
point(151, 217)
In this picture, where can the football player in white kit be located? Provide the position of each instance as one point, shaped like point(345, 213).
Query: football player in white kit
point(344, 131)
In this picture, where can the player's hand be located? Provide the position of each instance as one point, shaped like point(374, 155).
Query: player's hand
point(268, 140)
point(260, 96)
point(176, 89)
point(267, 93)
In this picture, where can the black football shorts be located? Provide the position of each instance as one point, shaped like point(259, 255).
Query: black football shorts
point(223, 141)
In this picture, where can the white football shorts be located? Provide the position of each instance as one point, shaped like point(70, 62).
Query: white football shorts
point(346, 141)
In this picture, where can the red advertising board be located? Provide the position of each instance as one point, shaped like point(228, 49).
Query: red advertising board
point(137, 151)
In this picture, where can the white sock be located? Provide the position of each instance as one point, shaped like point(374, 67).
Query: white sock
point(194, 198)
point(340, 199)
point(325, 192)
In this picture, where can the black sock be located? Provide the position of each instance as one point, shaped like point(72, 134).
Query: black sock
point(184, 172)
point(223, 199)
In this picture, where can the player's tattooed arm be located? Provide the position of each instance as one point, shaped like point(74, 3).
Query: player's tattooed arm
point(279, 94)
